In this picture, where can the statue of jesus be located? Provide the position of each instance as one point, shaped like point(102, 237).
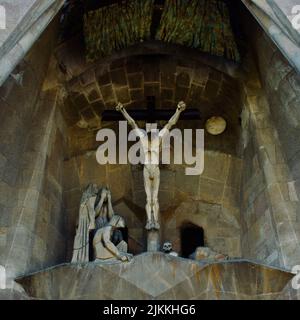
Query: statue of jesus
point(151, 145)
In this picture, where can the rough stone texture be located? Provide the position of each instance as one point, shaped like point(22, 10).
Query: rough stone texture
point(9, 294)
point(158, 276)
point(275, 17)
point(25, 21)
point(270, 196)
point(31, 149)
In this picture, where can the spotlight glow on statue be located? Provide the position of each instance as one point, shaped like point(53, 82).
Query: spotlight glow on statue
point(151, 142)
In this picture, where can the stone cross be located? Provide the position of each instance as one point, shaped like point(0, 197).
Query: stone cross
point(150, 114)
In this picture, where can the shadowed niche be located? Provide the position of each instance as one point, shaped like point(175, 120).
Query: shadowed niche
point(192, 236)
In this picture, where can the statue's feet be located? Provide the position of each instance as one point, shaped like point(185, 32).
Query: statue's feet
point(148, 225)
point(155, 225)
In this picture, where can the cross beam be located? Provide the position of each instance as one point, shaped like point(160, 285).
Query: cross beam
point(151, 114)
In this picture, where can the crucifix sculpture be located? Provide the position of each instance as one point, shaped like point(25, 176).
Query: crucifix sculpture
point(151, 151)
point(151, 148)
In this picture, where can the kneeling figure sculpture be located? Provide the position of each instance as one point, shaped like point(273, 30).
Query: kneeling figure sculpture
point(104, 248)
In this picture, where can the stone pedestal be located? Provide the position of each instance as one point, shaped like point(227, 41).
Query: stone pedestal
point(158, 276)
point(153, 243)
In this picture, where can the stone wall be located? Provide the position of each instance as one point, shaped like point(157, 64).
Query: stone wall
point(271, 207)
point(31, 157)
point(168, 78)
point(25, 22)
point(259, 240)
point(282, 85)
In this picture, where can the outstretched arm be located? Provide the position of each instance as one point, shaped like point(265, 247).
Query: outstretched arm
point(132, 123)
point(180, 108)
point(121, 109)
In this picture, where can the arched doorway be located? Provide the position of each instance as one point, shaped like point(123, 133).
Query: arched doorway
point(191, 236)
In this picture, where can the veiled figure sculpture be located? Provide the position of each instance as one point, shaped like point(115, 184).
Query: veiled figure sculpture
point(94, 213)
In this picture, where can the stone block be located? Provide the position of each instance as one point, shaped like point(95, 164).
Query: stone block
point(118, 77)
point(211, 90)
point(98, 107)
point(201, 75)
point(81, 101)
point(137, 94)
point(107, 93)
point(117, 64)
point(135, 80)
point(134, 64)
point(181, 93)
point(167, 80)
point(188, 185)
point(152, 89)
point(215, 166)
point(151, 70)
point(3, 236)
point(93, 94)
point(278, 69)
point(210, 191)
point(195, 92)
point(87, 114)
point(234, 177)
point(10, 175)
point(123, 94)
point(120, 189)
point(294, 80)
point(104, 79)
point(167, 94)
point(87, 78)
point(183, 79)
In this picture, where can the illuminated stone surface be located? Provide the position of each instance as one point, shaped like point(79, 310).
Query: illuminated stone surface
point(158, 276)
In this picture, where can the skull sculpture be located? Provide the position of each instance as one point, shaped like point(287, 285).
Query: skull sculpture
point(168, 249)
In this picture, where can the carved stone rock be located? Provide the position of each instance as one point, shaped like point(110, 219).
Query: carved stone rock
point(205, 253)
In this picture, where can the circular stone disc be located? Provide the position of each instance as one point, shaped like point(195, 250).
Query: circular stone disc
point(215, 125)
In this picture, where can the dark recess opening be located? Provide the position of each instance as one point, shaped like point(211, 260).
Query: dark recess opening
point(192, 236)
point(124, 234)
